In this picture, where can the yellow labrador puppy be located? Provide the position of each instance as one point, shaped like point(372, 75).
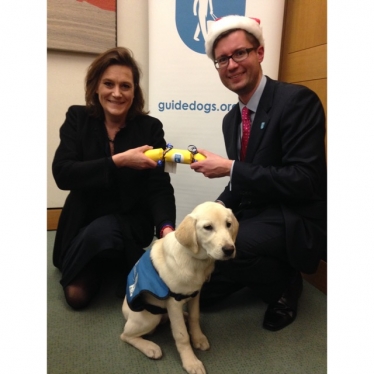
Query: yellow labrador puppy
point(171, 274)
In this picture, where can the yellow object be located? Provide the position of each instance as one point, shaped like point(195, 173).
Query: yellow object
point(155, 154)
point(179, 156)
point(199, 157)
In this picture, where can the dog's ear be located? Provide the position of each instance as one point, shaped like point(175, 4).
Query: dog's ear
point(234, 226)
point(186, 233)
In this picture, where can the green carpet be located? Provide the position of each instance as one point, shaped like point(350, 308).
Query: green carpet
point(88, 342)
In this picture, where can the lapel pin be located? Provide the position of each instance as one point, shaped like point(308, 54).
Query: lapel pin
point(262, 125)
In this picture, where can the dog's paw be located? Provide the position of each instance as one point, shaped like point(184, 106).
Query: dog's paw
point(150, 349)
point(153, 352)
point(201, 342)
point(194, 367)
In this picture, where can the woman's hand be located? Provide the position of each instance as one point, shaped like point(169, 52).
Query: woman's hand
point(135, 159)
point(166, 230)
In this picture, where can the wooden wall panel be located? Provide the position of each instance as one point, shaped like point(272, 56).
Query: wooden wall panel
point(53, 215)
point(304, 61)
point(308, 64)
point(304, 42)
point(304, 46)
point(307, 19)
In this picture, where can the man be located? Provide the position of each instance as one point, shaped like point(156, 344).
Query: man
point(277, 186)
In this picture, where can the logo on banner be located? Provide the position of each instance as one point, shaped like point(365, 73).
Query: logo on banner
point(194, 18)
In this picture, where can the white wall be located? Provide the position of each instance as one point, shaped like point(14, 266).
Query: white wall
point(65, 87)
point(132, 33)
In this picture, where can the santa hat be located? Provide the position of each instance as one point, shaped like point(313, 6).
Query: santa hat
point(252, 25)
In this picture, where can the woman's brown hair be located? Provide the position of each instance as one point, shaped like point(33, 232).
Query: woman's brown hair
point(114, 56)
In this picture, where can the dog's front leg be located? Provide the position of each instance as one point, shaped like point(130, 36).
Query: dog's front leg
point(139, 324)
point(199, 340)
point(182, 339)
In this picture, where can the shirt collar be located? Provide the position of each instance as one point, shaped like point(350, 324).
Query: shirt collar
point(254, 100)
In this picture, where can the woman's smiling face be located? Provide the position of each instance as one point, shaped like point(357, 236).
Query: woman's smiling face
point(116, 92)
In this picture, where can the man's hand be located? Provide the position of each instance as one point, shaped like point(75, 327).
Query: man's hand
point(213, 166)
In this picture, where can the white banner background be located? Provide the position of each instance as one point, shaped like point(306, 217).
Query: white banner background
point(178, 75)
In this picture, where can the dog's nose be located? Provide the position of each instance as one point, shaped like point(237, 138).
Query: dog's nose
point(228, 250)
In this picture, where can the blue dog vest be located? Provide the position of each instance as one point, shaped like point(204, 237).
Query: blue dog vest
point(144, 278)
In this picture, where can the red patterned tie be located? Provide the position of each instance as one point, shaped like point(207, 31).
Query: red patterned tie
point(246, 121)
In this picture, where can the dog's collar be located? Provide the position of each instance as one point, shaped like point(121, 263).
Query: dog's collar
point(179, 296)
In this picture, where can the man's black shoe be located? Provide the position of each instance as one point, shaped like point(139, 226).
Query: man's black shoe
point(282, 313)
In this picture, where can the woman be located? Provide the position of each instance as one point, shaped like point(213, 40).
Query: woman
point(119, 199)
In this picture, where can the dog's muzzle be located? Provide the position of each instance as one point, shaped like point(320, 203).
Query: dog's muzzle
point(228, 251)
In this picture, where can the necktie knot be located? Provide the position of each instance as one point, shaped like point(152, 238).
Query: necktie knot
point(246, 128)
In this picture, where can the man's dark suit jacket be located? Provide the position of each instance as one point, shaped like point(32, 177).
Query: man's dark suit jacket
point(285, 164)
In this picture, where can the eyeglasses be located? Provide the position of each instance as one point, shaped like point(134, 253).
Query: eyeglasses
point(237, 56)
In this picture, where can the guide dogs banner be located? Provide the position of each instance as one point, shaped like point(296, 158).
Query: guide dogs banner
point(185, 91)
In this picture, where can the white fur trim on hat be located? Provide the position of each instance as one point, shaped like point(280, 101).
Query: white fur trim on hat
point(252, 25)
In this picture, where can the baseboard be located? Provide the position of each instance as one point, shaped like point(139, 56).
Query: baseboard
point(319, 278)
point(53, 215)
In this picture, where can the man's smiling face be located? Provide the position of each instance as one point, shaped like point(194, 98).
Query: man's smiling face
point(240, 77)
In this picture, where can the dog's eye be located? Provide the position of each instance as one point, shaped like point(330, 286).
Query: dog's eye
point(208, 227)
point(228, 224)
